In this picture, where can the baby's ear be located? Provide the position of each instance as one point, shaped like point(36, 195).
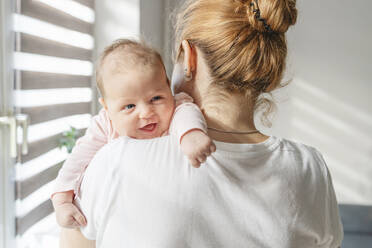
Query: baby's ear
point(102, 102)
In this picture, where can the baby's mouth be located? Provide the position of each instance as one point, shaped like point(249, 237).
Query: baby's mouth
point(149, 127)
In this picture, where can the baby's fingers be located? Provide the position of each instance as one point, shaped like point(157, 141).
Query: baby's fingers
point(73, 225)
point(80, 219)
point(206, 153)
point(212, 147)
point(195, 163)
point(202, 158)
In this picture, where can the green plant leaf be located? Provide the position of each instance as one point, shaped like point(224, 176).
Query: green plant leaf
point(68, 139)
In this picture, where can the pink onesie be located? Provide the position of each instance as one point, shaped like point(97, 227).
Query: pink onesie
point(187, 116)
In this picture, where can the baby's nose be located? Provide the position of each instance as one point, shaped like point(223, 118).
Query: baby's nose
point(146, 112)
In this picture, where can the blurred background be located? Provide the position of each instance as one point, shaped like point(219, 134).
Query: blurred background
point(48, 95)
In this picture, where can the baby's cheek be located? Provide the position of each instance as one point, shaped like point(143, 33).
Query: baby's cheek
point(121, 127)
point(169, 114)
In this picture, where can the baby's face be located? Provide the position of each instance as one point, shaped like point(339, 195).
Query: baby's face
point(139, 101)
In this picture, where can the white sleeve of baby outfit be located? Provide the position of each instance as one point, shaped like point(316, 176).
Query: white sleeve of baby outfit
point(334, 233)
point(96, 136)
point(187, 116)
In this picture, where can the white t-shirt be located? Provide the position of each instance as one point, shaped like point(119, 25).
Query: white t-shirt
point(143, 193)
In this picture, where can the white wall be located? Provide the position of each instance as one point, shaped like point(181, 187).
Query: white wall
point(156, 28)
point(152, 16)
point(116, 19)
point(328, 103)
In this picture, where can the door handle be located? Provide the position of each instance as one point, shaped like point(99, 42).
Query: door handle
point(23, 121)
point(13, 122)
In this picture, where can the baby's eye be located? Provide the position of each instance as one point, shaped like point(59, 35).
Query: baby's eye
point(129, 106)
point(156, 98)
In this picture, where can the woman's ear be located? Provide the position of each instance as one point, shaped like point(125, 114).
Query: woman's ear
point(101, 100)
point(189, 59)
point(178, 78)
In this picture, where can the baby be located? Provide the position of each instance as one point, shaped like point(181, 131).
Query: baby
point(137, 102)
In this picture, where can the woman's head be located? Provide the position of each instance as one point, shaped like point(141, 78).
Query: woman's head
point(242, 42)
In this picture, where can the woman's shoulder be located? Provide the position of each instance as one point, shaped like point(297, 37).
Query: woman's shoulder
point(296, 146)
point(306, 161)
point(129, 147)
point(300, 150)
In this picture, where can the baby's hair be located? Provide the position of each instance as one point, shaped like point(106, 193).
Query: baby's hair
point(127, 53)
point(242, 41)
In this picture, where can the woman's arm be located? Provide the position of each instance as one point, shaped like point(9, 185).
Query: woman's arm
point(72, 238)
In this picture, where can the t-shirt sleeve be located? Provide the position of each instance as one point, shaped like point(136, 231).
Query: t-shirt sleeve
point(92, 195)
point(334, 233)
point(187, 116)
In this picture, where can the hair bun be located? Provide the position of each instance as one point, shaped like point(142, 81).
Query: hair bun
point(270, 15)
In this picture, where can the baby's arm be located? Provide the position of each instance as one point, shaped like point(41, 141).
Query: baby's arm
point(68, 179)
point(189, 126)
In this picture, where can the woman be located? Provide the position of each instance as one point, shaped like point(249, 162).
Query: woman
point(255, 190)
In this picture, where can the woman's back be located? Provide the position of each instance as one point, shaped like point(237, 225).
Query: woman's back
point(273, 194)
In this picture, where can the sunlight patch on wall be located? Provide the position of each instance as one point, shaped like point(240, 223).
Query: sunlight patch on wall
point(358, 114)
point(331, 120)
point(350, 152)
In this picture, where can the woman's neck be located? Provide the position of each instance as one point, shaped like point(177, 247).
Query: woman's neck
point(232, 114)
point(223, 110)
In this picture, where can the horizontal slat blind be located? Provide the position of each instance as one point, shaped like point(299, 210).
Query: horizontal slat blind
point(42, 80)
point(39, 147)
point(33, 44)
point(88, 3)
point(51, 112)
point(36, 82)
point(35, 215)
point(28, 186)
point(48, 14)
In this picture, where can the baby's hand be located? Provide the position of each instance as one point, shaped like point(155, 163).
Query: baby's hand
point(67, 214)
point(197, 146)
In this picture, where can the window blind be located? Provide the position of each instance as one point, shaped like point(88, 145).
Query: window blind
point(53, 74)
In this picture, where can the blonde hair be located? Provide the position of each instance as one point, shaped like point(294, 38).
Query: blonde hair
point(245, 51)
point(130, 53)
